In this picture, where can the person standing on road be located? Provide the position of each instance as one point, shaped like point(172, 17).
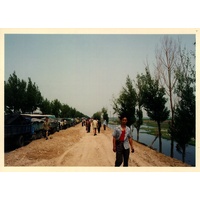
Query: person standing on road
point(104, 124)
point(94, 125)
point(121, 141)
point(99, 125)
point(46, 127)
point(88, 125)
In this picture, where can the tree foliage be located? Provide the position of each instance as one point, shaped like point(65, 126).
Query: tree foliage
point(33, 97)
point(125, 104)
point(45, 106)
point(97, 115)
point(65, 111)
point(167, 59)
point(105, 114)
point(153, 100)
point(183, 128)
point(139, 103)
point(21, 96)
point(56, 107)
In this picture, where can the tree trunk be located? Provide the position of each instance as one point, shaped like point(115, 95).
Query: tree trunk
point(160, 137)
point(172, 147)
point(153, 141)
point(172, 109)
point(183, 154)
point(172, 137)
point(138, 135)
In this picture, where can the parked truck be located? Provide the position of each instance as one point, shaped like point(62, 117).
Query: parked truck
point(21, 128)
point(54, 123)
point(37, 127)
point(18, 129)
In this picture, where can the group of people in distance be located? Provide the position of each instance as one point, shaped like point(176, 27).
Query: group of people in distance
point(95, 123)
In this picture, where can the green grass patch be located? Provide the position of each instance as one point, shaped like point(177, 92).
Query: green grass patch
point(151, 127)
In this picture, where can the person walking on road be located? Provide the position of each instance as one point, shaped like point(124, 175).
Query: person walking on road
point(88, 125)
point(99, 125)
point(94, 125)
point(104, 124)
point(121, 141)
point(46, 127)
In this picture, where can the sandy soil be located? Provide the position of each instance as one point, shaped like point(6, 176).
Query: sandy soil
point(75, 147)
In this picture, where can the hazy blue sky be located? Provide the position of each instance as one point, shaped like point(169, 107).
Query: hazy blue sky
point(83, 71)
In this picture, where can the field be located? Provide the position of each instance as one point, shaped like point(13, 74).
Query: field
point(150, 127)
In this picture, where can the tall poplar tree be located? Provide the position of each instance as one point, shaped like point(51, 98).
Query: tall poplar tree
point(126, 102)
point(154, 101)
point(183, 128)
point(139, 104)
point(33, 96)
point(15, 93)
point(167, 57)
point(105, 114)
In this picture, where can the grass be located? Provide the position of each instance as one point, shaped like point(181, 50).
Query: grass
point(152, 128)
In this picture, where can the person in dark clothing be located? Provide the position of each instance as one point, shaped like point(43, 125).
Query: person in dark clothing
point(104, 125)
point(88, 125)
point(46, 127)
point(99, 125)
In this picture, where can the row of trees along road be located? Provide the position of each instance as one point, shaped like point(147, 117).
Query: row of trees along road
point(24, 97)
point(174, 78)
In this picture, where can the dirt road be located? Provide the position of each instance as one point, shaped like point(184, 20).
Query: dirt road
point(75, 147)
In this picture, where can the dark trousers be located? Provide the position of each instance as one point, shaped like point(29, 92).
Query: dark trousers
point(88, 129)
point(122, 155)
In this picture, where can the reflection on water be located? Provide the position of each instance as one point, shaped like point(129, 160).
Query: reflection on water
point(166, 146)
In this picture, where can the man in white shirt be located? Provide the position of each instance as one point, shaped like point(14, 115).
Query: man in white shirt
point(94, 125)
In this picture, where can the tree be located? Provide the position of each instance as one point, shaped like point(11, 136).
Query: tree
point(56, 107)
point(15, 93)
point(125, 104)
point(65, 110)
point(139, 103)
point(154, 101)
point(33, 97)
point(183, 128)
point(97, 115)
point(105, 114)
point(23, 97)
point(46, 106)
point(72, 112)
point(166, 58)
point(79, 114)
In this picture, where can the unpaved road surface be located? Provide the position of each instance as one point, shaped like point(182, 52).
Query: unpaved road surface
point(75, 147)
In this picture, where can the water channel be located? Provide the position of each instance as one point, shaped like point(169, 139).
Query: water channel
point(166, 146)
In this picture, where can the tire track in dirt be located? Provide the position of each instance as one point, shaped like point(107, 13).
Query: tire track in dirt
point(89, 151)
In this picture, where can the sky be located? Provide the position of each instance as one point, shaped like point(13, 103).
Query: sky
point(84, 71)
